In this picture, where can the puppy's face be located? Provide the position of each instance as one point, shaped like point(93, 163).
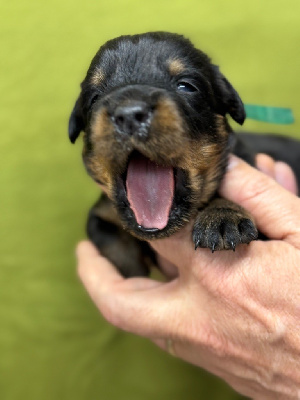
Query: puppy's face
point(152, 108)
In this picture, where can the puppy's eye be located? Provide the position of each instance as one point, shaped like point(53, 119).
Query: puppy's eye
point(186, 87)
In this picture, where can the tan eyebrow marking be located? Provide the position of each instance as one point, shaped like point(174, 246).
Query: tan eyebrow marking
point(176, 66)
point(98, 77)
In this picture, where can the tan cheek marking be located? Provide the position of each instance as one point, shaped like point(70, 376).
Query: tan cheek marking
point(98, 77)
point(100, 169)
point(204, 160)
point(101, 124)
point(200, 155)
point(221, 126)
point(100, 136)
point(167, 115)
point(176, 67)
point(169, 134)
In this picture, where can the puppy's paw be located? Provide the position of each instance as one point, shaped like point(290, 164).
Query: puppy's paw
point(219, 228)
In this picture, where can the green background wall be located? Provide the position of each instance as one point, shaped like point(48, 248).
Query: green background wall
point(53, 342)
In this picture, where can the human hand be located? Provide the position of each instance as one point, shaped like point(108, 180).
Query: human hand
point(234, 314)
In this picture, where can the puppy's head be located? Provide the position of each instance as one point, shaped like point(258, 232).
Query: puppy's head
point(152, 108)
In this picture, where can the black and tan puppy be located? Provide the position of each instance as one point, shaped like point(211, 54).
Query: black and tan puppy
point(153, 111)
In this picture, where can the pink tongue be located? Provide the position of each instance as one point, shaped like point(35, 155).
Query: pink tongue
point(150, 191)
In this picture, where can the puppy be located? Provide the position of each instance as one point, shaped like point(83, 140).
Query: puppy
point(156, 139)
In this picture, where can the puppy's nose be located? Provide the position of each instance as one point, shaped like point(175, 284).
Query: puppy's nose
point(133, 119)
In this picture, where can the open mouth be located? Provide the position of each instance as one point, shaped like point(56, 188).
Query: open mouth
point(150, 191)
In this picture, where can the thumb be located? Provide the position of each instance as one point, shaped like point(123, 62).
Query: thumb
point(275, 210)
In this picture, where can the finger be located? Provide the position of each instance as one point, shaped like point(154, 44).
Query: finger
point(138, 305)
point(285, 177)
point(276, 211)
point(266, 164)
point(88, 257)
point(280, 171)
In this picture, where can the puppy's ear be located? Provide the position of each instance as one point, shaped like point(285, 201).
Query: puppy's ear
point(228, 100)
point(76, 122)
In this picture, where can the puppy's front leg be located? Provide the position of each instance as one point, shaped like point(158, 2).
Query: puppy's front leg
point(222, 225)
point(131, 256)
